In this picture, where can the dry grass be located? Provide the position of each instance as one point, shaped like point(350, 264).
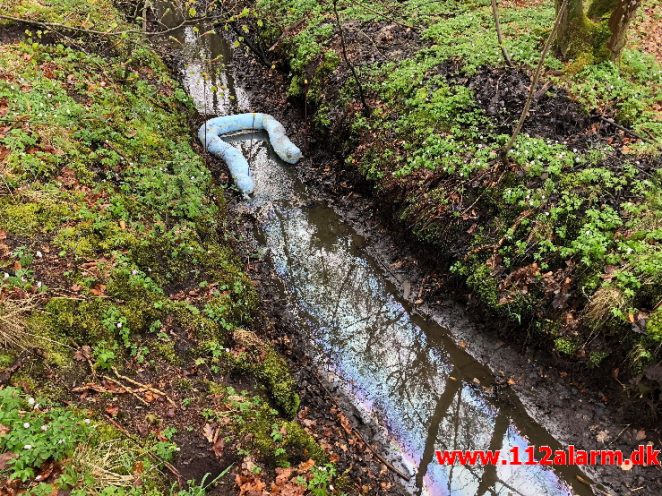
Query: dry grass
point(106, 463)
point(14, 332)
point(604, 300)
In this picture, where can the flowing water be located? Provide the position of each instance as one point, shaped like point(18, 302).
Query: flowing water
point(402, 372)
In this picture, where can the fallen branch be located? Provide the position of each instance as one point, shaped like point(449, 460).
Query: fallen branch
point(623, 128)
point(542, 91)
point(126, 389)
point(534, 83)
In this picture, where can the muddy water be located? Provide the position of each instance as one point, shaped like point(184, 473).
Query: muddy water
point(402, 373)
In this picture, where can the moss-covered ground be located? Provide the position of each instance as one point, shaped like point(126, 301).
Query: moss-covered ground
point(122, 302)
point(562, 241)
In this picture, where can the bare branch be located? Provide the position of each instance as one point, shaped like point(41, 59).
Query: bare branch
point(359, 86)
point(497, 24)
point(534, 83)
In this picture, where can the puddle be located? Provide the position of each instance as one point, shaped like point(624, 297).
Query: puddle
point(402, 372)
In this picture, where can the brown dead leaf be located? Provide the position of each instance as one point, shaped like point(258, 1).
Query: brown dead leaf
point(306, 466)
point(641, 435)
point(283, 475)
point(112, 410)
point(208, 431)
point(45, 471)
point(83, 353)
point(98, 290)
point(5, 458)
point(250, 484)
point(138, 468)
point(218, 446)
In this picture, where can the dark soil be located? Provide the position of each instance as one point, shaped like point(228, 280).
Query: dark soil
point(502, 93)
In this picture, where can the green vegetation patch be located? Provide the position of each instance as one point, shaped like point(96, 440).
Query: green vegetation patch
point(90, 456)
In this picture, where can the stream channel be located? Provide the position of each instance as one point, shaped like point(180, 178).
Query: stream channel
point(402, 372)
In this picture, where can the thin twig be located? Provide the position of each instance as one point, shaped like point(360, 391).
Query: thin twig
point(623, 128)
point(497, 24)
point(359, 86)
point(126, 389)
point(534, 82)
point(259, 53)
point(146, 386)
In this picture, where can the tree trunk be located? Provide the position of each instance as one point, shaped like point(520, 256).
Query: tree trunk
point(592, 34)
point(619, 22)
point(574, 33)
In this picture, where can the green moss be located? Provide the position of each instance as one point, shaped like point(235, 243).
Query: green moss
point(79, 320)
point(565, 346)
point(268, 367)
point(55, 347)
point(301, 445)
point(142, 300)
point(7, 358)
point(195, 324)
point(87, 238)
point(30, 218)
point(654, 325)
point(166, 350)
point(258, 430)
point(276, 376)
point(484, 284)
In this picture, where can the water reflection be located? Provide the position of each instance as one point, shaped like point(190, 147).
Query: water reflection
point(204, 55)
point(400, 370)
point(388, 362)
